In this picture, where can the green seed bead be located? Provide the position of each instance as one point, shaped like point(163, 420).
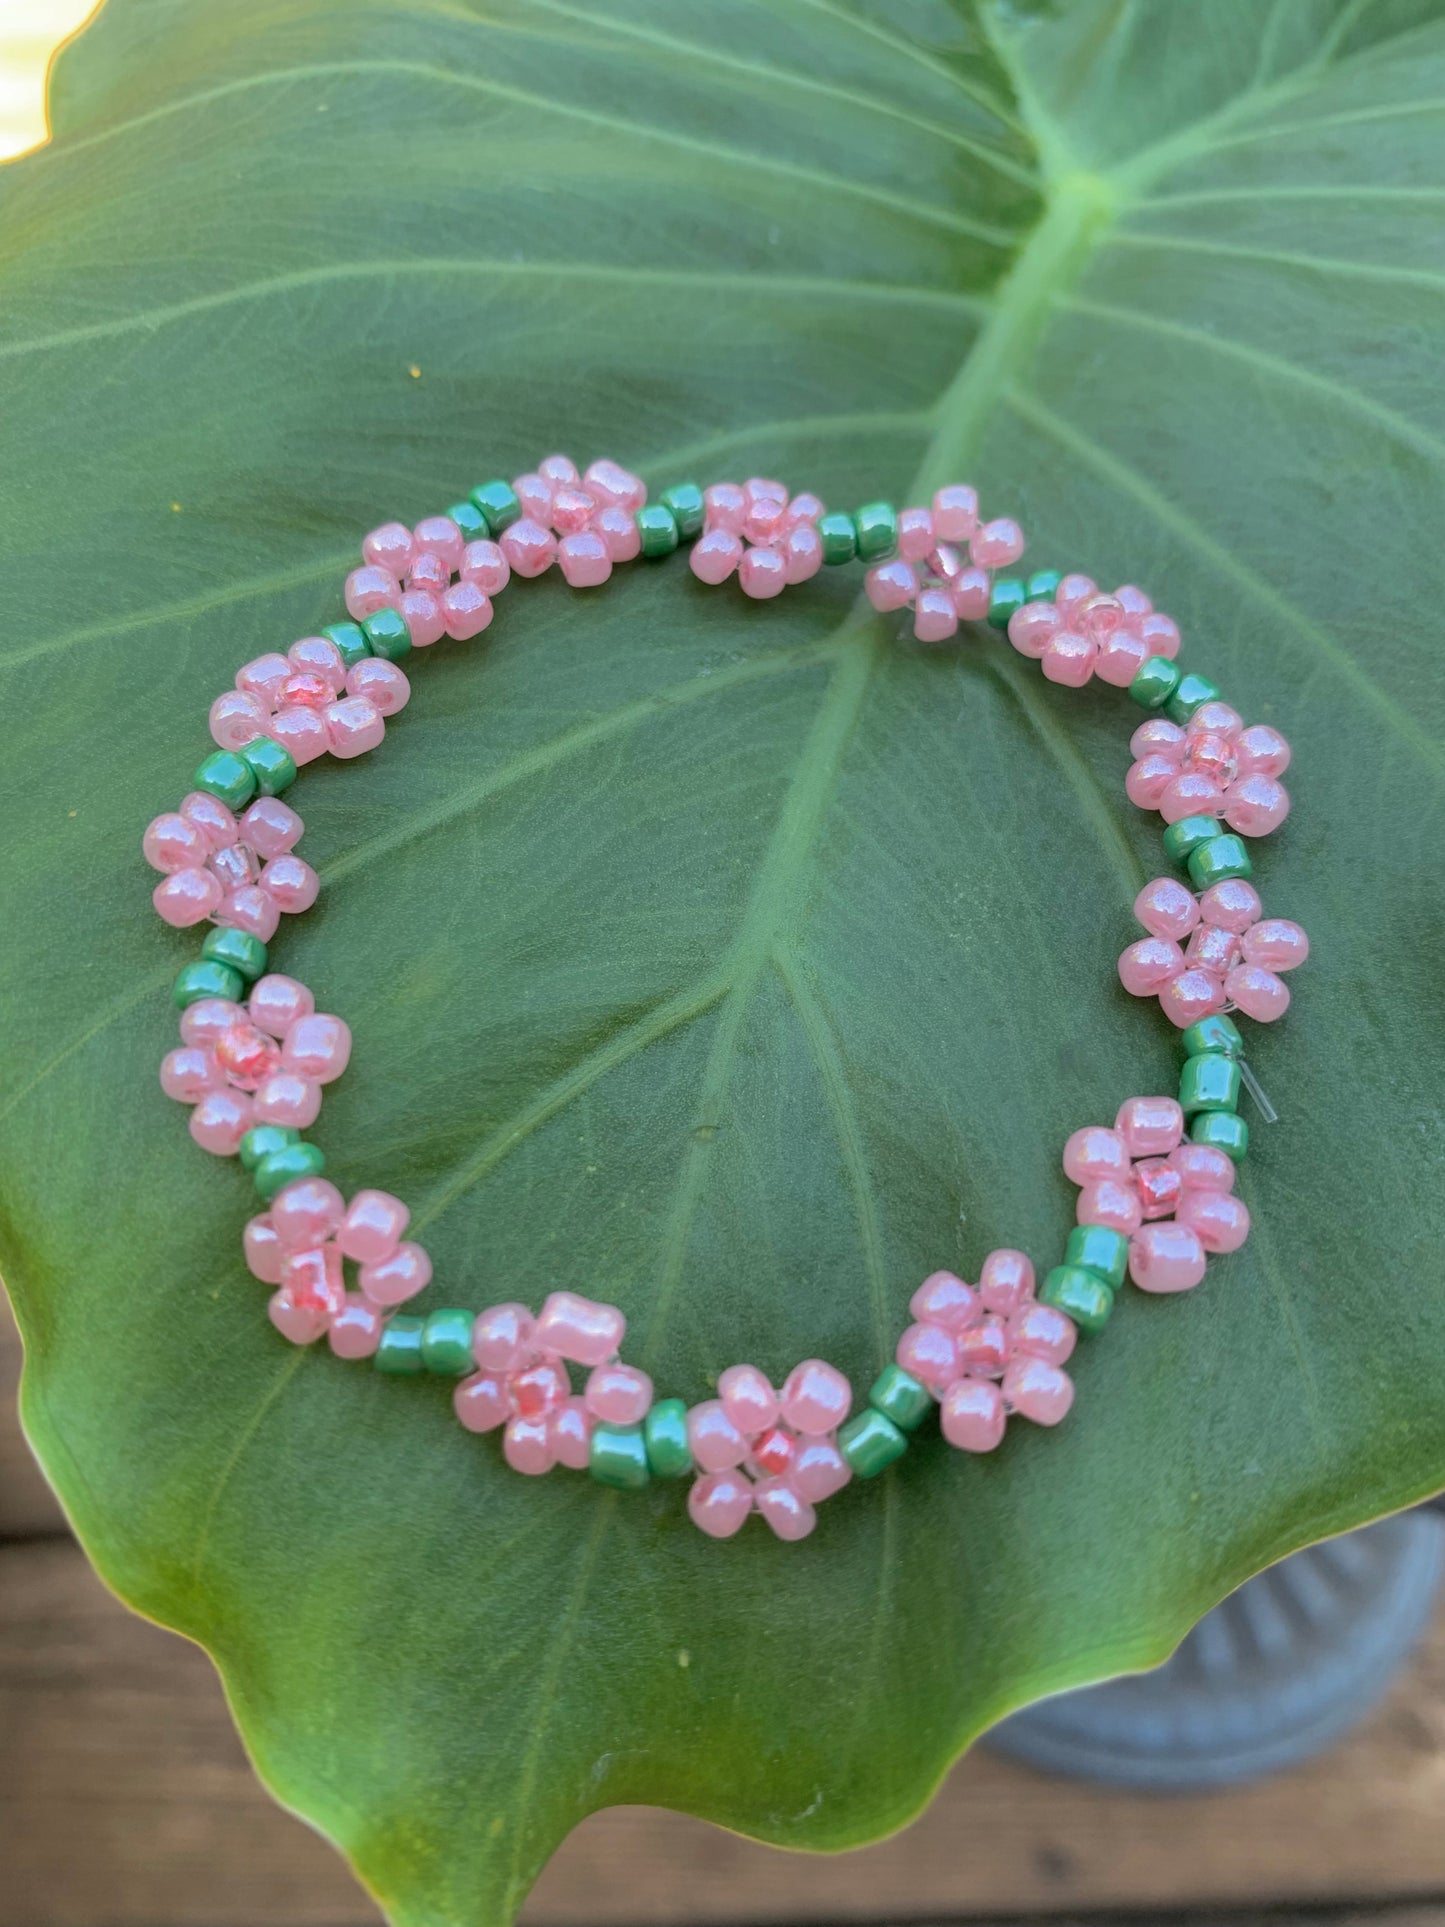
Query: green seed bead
point(205, 979)
point(279, 1168)
point(1190, 693)
point(664, 1434)
point(239, 949)
point(1217, 860)
point(350, 639)
point(877, 526)
point(688, 510)
point(262, 1139)
point(840, 538)
point(1209, 1083)
point(1042, 584)
point(1155, 681)
point(388, 634)
point(619, 1457)
point(870, 1441)
point(446, 1343)
point(1004, 599)
point(273, 767)
point(399, 1352)
point(498, 502)
point(899, 1396)
point(1225, 1130)
point(657, 525)
point(1098, 1249)
point(227, 777)
point(1213, 1033)
point(1187, 835)
point(469, 519)
point(1086, 1298)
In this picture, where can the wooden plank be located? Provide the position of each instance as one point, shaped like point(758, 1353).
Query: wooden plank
point(114, 1737)
point(27, 1505)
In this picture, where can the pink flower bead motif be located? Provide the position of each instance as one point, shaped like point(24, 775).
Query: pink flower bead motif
point(1216, 968)
point(1209, 769)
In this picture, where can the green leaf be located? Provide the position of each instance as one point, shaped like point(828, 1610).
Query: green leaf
point(741, 962)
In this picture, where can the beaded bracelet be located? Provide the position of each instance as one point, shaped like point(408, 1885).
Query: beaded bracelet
point(1156, 1190)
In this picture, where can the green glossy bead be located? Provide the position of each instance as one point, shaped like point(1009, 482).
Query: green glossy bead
point(262, 1139)
point(350, 639)
point(619, 1457)
point(273, 767)
point(469, 519)
point(657, 525)
point(498, 502)
point(227, 777)
point(1225, 1130)
point(1219, 1033)
point(1155, 681)
point(239, 949)
point(664, 1434)
point(870, 1441)
point(899, 1396)
point(279, 1168)
point(388, 634)
point(399, 1352)
point(1086, 1298)
point(1209, 1083)
point(1042, 584)
point(877, 526)
point(1217, 860)
point(1187, 834)
point(840, 538)
point(1100, 1250)
point(446, 1343)
point(205, 979)
point(1190, 693)
point(1006, 596)
point(688, 510)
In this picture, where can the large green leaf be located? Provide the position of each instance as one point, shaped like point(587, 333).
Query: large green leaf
point(737, 961)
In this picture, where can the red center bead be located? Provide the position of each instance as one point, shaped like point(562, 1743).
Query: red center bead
point(1160, 1186)
point(311, 691)
point(774, 1451)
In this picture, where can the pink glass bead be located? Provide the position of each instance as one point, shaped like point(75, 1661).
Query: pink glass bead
point(305, 690)
point(1133, 600)
point(1150, 1126)
point(440, 536)
point(748, 1398)
point(558, 471)
point(763, 488)
point(1038, 1391)
point(237, 719)
point(1160, 634)
point(1218, 1219)
point(307, 1212)
point(572, 510)
point(373, 1226)
point(1146, 781)
point(584, 560)
point(481, 1403)
point(1094, 1153)
point(247, 1055)
point(380, 683)
point(618, 1394)
point(580, 1329)
point(715, 555)
point(529, 547)
point(1192, 995)
point(1100, 616)
point(891, 585)
point(934, 617)
point(1073, 592)
point(312, 1280)
point(302, 1325)
point(1030, 628)
point(1166, 1257)
point(527, 1446)
point(285, 1098)
point(983, 1349)
point(485, 564)
point(1189, 794)
point(619, 533)
point(1231, 905)
point(277, 1002)
point(252, 909)
point(1042, 1331)
point(534, 493)
point(819, 1470)
point(318, 656)
point(188, 1073)
point(370, 589)
point(391, 1281)
point(1119, 659)
point(1261, 751)
point(504, 1337)
point(421, 611)
point(816, 1397)
point(263, 676)
point(1157, 736)
point(715, 1442)
point(1276, 943)
point(389, 547)
point(205, 1022)
point(997, 544)
point(1005, 1281)
point(1258, 992)
point(1159, 1185)
point(1113, 1203)
point(355, 1331)
point(1256, 805)
point(300, 732)
point(1215, 719)
point(931, 1354)
point(1167, 909)
point(719, 1503)
point(789, 1515)
point(955, 513)
point(291, 883)
point(235, 867)
point(766, 521)
point(1213, 950)
point(172, 843)
point(802, 551)
point(725, 507)
point(187, 897)
point(806, 508)
point(353, 726)
point(539, 1388)
point(570, 1430)
point(211, 817)
point(262, 1249)
point(430, 573)
point(915, 534)
point(271, 827)
point(972, 594)
point(1203, 1168)
point(1068, 658)
point(220, 1121)
point(615, 486)
point(1147, 966)
point(466, 611)
point(317, 1046)
point(762, 573)
point(944, 1300)
point(972, 1416)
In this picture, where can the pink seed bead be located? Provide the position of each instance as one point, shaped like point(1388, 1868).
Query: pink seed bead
point(816, 1397)
point(1258, 992)
point(440, 536)
point(372, 1227)
point(355, 1331)
point(1167, 909)
point(942, 1299)
point(429, 573)
point(1073, 592)
point(300, 731)
point(618, 1394)
point(186, 897)
point(983, 1349)
point(915, 534)
point(955, 513)
point(819, 1470)
point(891, 585)
point(584, 560)
point(263, 676)
point(391, 1281)
point(1113, 1203)
point(1202, 1168)
point(1218, 1219)
point(466, 611)
point(931, 1354)
point(747, 1396)
point(725, 507)
point(1147, 966)
point(171, 843)
point(261, 1249)
point(619, 534)
point(1134, 601)
point(719, 1503)
point(485, 564)
point(1037, 1390)
point(205, 1022)
point(221, 1120)
point(572, 510)
point(188, 1073)
point(534, 493)
point(285, 1098)
point(307, 1212)
point(972, 1416)
point(237, 719)
point(504, 1338)
point(1157, 736)
point(1261, 751)
point(1231, 905)
point(1190, 793)
point(715, 1442)
point(1094, 1153)
point(1069, 658)
point(580, 1329)
point(271, 827)
point(1042, 1331)
point(762, 573)
point(381, 683)
point(1100, 617)
point(1119, 659)
point(291, 883)
point(1193, 994)
point(481, 1403)
point(277, 1002)
point(997, 544)
point(317, 1046)
point(1030, 628)
point(570, 1431)
point(1160, 634)
point(235, 867)
point(934, 617)
point(421, 611)
point(1147, 780)
point(353, 726)
point(972, 594)
point(251, 908)
point(1277, 944)
point(1150, 1126)
point(558, 471)
point(1005, 1281)
point(389, 547)
point(370, 589)
point(615, 486)
point(301, 1324)
point(527, 1446)
point(318, 656)
point(1166, 1257)
point(789, 1515)
point(715, 555)
point(806, 508)
point(530, 548)
point(762, 488)
point(1213, 950)
point(802, 550)
point(1256, 805)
